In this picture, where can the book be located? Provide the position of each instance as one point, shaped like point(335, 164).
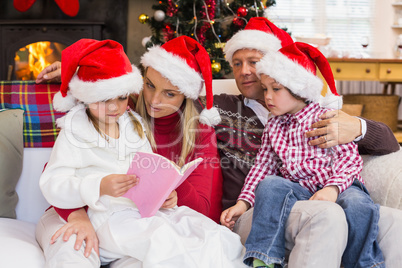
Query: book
point(158, 176)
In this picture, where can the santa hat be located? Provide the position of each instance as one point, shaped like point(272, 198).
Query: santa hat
point(186, 64)
point(259, 34)
point(104, 72)
point(294, 66)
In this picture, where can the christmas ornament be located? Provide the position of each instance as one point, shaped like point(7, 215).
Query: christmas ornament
point(69, 7)
point(168, 32)
point(216, 67)
point(145, 41)
point(143, 18)
point(239, 23)
point(242, 11)
point(159, 15)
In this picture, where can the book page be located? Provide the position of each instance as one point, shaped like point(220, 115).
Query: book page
point(158, 178)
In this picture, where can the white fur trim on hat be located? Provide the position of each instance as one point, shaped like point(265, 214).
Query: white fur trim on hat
point(251, 39)
point(63, 104)
point(210, 117)
point(291, 75)
point(331, 101)
point(175, 69)
point(106, 89)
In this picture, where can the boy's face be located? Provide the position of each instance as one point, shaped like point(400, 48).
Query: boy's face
point(278, 99)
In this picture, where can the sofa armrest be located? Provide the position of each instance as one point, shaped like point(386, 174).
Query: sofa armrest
point(383, 178)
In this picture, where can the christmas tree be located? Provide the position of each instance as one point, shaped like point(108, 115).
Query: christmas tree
point(210, 22)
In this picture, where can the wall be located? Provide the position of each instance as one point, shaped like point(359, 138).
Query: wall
point(137, 31)
point(385, 35)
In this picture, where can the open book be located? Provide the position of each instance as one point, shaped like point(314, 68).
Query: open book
point(158, 176)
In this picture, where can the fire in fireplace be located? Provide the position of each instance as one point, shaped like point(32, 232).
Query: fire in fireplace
point(26, 47)
point(45, 29)
point(30, 60)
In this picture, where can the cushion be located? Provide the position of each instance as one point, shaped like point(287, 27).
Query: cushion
point(11, 152)
point(353, 109)
point(36, 100)
point(18, 246)
point(383, 178)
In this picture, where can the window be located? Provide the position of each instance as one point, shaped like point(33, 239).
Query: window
point(346, 22)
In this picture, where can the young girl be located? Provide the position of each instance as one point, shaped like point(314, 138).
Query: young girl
point(287, 169)
point(93, 152)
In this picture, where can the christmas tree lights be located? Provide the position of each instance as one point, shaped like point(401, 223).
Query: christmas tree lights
point(210, 22)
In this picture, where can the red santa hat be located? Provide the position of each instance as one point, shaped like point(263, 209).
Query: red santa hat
point(294, 66)
point(104, 72)
point(259, 34)
point(186, 64)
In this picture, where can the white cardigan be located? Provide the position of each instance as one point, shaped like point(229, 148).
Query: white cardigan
point(81, 157)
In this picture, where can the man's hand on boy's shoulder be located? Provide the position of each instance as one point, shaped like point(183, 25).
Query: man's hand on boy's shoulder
point(335, 127)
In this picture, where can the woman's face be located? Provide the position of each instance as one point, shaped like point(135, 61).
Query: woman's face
point(160, 96)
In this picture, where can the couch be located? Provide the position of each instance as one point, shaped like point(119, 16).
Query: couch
point(20, 168)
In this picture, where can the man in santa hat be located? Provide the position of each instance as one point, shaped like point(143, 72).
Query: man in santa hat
point(239, 138)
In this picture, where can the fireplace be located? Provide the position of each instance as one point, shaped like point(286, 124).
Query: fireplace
point(46, 29)
point(19, 37)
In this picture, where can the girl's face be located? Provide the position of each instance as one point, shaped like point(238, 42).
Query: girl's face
point(278, 99)
point(108, 112)
point(160, 96)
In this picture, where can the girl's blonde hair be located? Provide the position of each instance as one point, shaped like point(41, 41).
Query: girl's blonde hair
point(136, 123)
point(189, 122)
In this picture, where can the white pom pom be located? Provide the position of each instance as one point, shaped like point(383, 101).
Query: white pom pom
point(63, 104)
point(331, 101)
point(210, 117)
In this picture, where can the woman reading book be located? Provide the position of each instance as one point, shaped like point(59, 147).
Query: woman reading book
point(175, 130)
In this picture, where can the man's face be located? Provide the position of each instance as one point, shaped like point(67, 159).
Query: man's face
point(244, 61)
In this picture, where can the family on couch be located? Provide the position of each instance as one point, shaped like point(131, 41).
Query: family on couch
point(321, 233)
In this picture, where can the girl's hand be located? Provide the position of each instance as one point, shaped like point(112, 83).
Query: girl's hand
point(79, 224)
point(230, 215)
point(51, 73)
point(117, 184)
point(328, 193)
point(171, 201)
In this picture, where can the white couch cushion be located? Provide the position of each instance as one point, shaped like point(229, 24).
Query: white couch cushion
point(18, 246)
point(383, 178)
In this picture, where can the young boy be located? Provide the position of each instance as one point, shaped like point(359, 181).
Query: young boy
point(287, 169)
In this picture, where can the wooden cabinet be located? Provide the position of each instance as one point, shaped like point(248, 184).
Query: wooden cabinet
point(388, 71)
point(384, 70)
point(354, 70)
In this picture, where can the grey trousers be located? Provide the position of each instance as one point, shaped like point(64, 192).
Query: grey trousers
point(316, 234)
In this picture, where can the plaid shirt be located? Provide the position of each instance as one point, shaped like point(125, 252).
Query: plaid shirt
point(285, 152)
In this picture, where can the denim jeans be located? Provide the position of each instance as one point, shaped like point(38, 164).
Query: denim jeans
point(275, 197)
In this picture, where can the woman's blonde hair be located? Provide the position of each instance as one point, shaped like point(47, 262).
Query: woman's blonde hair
point(187, 128)
point(136, 123)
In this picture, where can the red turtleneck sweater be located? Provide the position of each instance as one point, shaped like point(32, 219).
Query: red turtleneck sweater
point(202, 190)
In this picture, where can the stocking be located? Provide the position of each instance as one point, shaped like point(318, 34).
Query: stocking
point(23, 5)
point(69, 7)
